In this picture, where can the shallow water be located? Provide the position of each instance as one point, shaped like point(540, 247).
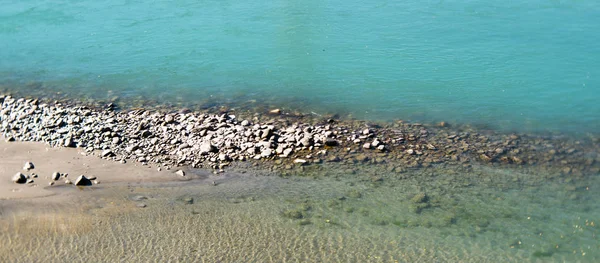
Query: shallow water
point(528, 66)
point(325, 216)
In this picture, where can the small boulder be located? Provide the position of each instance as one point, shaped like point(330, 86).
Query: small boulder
point(19, 178)
point(28, 166)
point(331, 142)
point(107, 153)
point(83, 181)
point(55, 176)
point(180, 173)
point(207, 147)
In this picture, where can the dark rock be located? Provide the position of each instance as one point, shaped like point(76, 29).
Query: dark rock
point(55, 176)
point(28, 166)
point(107, 153)
point(82, 181)
point(19, 178)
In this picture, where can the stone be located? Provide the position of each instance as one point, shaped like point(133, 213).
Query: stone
point(19, 178)
point(287, 152)
point(275, 111)
point(55, 176)
point(331, 142)
point(28, 166)
point(82, 181)
point(69, 142)
point(300, 161)
point(180, 173)
point(10, 139)
point(367, 146)
point(107, 153)
point(67, 181)
point(266, 153)
point(207, 147)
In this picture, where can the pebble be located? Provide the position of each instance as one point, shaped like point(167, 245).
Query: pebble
point(194, 138)
point(19, 178)
point(55, 176)
point(28, 166)
point(82, 181)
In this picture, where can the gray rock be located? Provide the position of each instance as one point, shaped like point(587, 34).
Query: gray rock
point(287, 152)
point(367, 146)
point(19, 178)
point(82, 181)
point(207, 147)
point(266, 153)
point(69, 142)
point(107, 153)
point(28, 166)
point(180, 173)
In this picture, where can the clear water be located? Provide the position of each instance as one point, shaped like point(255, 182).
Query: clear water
point(524, 65)
point(510, 217)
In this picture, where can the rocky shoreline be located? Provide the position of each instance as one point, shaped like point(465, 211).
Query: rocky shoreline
point(167, 139)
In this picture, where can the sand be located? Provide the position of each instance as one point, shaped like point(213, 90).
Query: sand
point(47, 160)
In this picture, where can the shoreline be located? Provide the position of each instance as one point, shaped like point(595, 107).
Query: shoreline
point(282, 142)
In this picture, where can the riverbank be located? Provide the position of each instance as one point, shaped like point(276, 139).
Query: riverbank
point(167, 139)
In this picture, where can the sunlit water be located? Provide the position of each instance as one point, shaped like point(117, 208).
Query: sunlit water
point(526, 65)
point(483, 216)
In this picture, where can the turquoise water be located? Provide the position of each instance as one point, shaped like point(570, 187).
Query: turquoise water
point(524, 65)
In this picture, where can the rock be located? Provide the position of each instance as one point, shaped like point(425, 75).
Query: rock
point(69, 142)
point(55, 176)
point(107, 153)
point(92, 178)
point(141, 205)
point(82, 181)
point(381, 148)
point(331, 142)
point(169, 119)
point(300, 161)
point(361, 158)
point(67, 181)
point(224, 157)
point(275, 111)
point(207, 147)
point(10, 139)
point(266, 153)
point(419, 198)
point(28, 166)
point(410, 151)
point(19, 178)
point(287, 152)
point(367, 146)
point(180, 173)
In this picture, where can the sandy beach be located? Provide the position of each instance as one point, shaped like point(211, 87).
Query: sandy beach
point(66, 160)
